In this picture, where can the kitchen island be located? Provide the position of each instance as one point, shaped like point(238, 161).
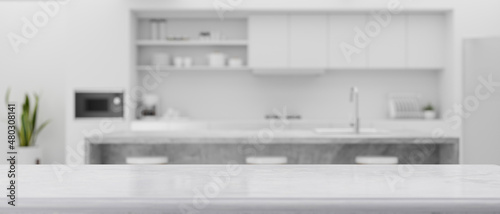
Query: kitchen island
point(256, 189)
point(298, 146)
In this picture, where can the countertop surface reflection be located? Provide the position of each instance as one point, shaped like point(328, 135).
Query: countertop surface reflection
point(251, 187)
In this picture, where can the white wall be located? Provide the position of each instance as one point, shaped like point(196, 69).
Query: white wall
point(240, 95)
point(99, 37)
point(86, 45)
point(39, 67)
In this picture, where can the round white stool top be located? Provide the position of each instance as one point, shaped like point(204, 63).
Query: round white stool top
point(267, 160)
point(376, 160)
point(147, 160)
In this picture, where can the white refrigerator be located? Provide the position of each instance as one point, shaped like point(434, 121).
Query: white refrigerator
point(481, 101)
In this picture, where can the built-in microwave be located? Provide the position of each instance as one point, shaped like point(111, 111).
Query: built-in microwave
point(98, 104)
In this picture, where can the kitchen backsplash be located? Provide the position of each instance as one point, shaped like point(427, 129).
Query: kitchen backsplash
point(238, 95)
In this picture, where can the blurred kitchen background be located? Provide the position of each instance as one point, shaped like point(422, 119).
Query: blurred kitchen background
point(256, 82)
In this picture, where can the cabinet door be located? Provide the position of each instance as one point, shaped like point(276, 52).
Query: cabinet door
point(308, 39)
point(344, 33)
point(426, 41)
point(268, 41)
point(387, 48)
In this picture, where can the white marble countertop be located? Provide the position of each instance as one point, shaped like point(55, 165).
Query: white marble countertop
point(286, 136)
point(256, 189)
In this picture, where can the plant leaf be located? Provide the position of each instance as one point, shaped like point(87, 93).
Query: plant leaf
point(26, 124)
point(41, 127)
point(18, 132)
point(27, 129)
point(33, 118)
point(26, 105)
point(22, 136)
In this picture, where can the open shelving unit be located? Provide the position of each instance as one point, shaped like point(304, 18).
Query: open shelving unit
point(232, 42)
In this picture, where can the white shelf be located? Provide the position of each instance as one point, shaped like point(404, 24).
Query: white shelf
point(192, 43)
point(192, 68)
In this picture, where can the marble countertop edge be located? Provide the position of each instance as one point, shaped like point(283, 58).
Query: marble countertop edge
point(296, 204)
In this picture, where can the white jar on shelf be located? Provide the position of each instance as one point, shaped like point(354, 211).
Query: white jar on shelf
point(158, 29)
point(178, 61)
point(216, 59)
point(187, 62)
point(235, 62)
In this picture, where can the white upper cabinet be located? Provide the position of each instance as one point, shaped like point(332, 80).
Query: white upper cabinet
point(359, 41)
point(281, 41)
point(344, 41)
point(308, 39)
point(268, 41)
point(387, 48)
point(426, 35)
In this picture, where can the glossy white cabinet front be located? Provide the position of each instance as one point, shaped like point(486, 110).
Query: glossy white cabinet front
point(308, 39)
point(344, 40)
point(282, 41)
point(268, 41)
point(414, 41)
point(387, 48)
point(426, 38)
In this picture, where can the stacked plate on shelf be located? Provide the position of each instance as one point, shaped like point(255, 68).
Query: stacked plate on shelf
point(405, 106)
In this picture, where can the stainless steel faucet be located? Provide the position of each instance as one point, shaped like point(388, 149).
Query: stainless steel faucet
point(355, 99)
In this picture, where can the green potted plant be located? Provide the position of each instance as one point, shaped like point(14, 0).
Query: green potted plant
point(27, 130)
point(429, 112)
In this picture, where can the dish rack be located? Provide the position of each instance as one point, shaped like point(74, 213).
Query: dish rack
point(405, 106)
